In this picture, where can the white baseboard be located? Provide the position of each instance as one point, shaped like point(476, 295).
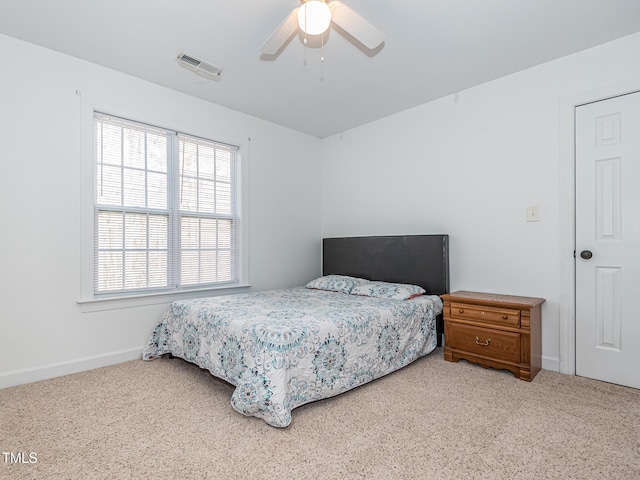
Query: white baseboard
point(35, 374)
point(552, 364)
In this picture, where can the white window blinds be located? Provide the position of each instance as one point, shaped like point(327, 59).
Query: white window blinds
point(165, 209)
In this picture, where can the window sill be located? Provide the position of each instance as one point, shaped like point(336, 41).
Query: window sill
point(114, 303)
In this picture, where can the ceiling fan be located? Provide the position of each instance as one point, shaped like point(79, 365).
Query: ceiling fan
point(314, 17)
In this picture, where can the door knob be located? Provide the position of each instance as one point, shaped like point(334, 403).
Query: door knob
point(586, 254)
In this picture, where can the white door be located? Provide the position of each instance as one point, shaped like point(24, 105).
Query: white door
point(608, 240)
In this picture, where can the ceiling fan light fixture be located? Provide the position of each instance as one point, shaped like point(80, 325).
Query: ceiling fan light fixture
point(314, 17)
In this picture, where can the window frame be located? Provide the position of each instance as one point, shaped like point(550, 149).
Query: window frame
point(88, 300)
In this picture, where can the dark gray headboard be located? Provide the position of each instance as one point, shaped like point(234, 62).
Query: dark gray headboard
point(416, 259)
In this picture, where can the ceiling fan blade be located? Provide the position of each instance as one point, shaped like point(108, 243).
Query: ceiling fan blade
point(282, 34)
point(355, 25)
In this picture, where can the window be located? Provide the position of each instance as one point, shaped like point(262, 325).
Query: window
point(165, 210)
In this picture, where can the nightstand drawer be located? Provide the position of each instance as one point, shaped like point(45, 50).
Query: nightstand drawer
point(492, 343)
point(491, 315)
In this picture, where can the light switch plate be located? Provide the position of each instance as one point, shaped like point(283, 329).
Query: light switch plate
point(533, 213)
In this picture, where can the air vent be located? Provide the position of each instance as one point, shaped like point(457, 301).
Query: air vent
point(205, 69)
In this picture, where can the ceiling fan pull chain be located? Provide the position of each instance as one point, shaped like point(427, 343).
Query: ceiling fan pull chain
point(304, 55)
point(322, 58)
point(305, 40)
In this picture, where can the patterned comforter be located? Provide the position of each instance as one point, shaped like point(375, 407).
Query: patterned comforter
point(284, 348)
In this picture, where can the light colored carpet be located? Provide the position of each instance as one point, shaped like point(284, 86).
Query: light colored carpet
point(432, 420)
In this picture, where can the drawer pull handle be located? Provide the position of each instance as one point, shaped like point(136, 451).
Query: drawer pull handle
point(478, 342)
point(505, 317)
point(461, 310)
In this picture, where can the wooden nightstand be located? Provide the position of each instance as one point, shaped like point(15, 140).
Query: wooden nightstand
point(498, 331)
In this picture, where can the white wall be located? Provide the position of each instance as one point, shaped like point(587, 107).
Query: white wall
point(43, 331)
point(469, 169)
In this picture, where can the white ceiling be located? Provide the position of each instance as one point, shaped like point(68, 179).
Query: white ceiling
point(432, 49)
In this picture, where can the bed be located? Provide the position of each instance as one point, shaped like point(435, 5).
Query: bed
point(365, 317)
